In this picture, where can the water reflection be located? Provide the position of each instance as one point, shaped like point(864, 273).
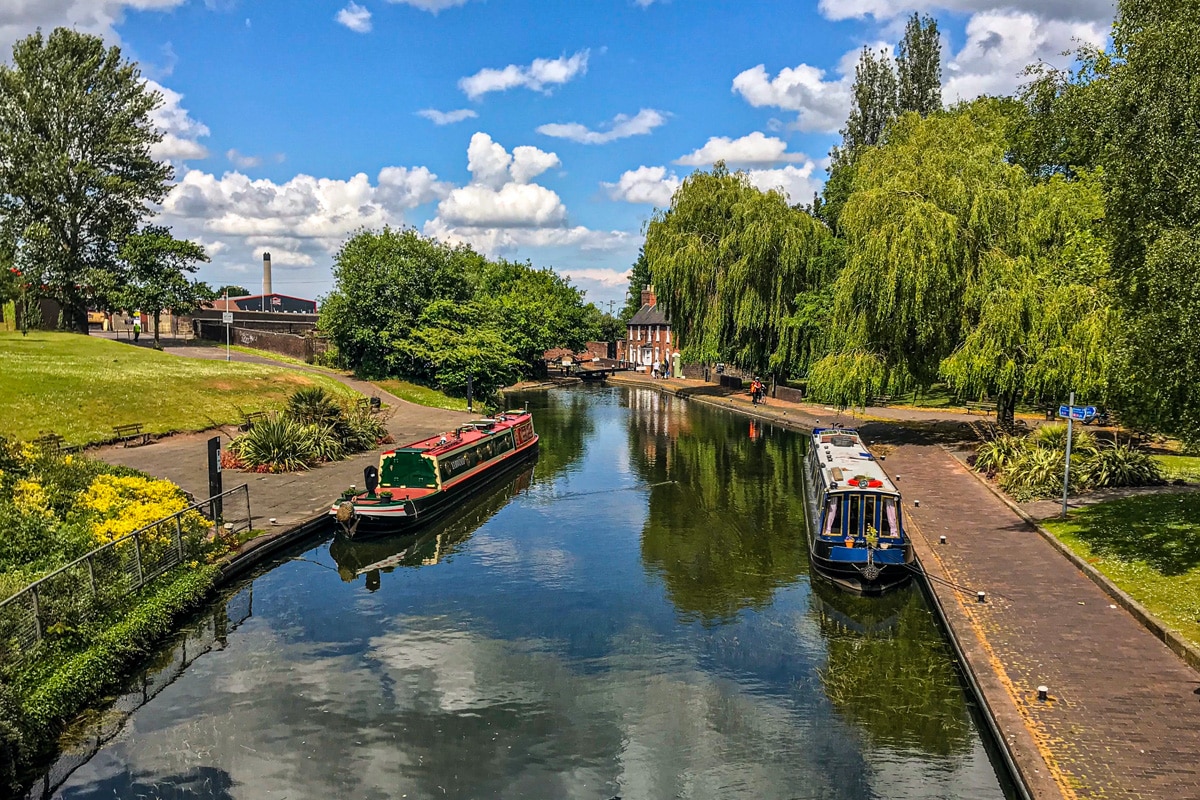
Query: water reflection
point(721, 543)
point(592, 631)
point(890, 670)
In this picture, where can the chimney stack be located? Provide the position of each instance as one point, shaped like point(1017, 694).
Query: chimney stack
point(266, 274)
point(648, 298)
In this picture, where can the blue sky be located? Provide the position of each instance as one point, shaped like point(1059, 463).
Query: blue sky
point(533, 130)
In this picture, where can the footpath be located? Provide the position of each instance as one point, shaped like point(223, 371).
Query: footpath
point(1122, 716)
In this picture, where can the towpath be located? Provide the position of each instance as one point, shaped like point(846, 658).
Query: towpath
point(1123, 715)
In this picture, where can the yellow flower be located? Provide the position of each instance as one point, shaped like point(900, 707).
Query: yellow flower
point(121, 505)
point(67, 459)
point(30, 498)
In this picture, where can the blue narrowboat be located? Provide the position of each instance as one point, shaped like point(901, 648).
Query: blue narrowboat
point(856, 536)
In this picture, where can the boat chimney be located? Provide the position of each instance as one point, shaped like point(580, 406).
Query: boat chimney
point(266, 274)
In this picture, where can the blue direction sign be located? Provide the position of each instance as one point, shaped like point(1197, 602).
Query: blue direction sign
point(1077, 412)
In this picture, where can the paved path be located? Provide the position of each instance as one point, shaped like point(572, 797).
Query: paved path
point(1124, 716)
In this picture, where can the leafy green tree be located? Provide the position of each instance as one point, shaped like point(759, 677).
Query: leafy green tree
point(603, 326)
point(639, 279)
point(1152, 182)
point(383, 281)
point(232, 290)
point(75, 138)
point(874, 100)
point(959, 266)
point(156, 266)
point(534, 309)
point(730, 262)
point(919, 67)
point(449, 345)
point(1060, 132)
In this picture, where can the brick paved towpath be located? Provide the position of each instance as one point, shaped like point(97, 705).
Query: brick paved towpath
point(1123, 719)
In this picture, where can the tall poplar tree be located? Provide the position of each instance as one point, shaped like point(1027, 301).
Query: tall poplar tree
point(639, 279)
point(733, 266)
point(75, 138)
point(919, 67)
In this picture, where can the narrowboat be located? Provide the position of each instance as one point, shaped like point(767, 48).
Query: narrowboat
point(422, 481)
point(856, 536)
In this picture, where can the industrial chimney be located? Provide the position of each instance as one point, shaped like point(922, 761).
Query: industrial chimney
point(266, 274)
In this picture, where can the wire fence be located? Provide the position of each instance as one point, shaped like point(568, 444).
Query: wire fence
point(100, 580)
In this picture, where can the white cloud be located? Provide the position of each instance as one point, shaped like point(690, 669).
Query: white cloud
point(501, 209)
point(604, 277)
point(753, 149)
point(446, 117)
point(539, 76)
point(644, 185)
point(821, 104)
point(797, 183)
point(621, 127)
point(355, 17)
point(1065, 10)
point(19, 18)
point(1000, 44)
point(180, 131)
point(432, 6)
point(242, 161)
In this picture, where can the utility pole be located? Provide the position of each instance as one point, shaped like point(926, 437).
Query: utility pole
point(611, 303)
point(1067, 470)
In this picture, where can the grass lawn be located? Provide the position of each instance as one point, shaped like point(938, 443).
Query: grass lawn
point(422, 395)
point(1184, 468)
point(80, 387)
point(1150, 547)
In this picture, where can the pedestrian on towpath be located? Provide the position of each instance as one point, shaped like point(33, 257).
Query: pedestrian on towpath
point(137, 326)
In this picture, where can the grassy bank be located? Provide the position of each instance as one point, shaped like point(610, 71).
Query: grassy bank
point(423, 395)
point(1150, 547)
point(80, 387)
point(1180, 468)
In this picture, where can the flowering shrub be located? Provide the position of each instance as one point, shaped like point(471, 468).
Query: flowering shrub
point(118, 505)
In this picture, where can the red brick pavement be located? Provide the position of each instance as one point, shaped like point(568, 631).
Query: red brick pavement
point(1123, 720)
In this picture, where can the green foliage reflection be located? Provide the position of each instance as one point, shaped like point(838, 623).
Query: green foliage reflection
point(890, 671)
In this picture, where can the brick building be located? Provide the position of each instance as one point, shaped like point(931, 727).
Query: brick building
point(649, 339)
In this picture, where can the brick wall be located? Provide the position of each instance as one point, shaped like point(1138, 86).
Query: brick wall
point(789, 394)
point(286, 344)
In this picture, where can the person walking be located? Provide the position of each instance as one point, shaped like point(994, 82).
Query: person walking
point(137, 326)
point(657, 370)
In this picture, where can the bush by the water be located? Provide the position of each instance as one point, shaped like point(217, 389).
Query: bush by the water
point(1032, 466)
point(314, 428)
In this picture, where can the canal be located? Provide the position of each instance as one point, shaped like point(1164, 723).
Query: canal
point(633, 617)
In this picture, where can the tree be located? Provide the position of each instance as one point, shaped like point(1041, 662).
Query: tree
point(919, 67)
point(874, 101)
point(75, 138)
point(383, 281)
point(535, 310)
point(730, 263)
point(1060, 132)
point(232, 290)
point(156, 263)
point(603, 326)
point(1152, 208)
point(639, 279)
point(959, 266)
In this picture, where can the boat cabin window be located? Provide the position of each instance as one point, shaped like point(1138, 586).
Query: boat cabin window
point(869, 513)
point(833, 516)
point(407, 470)
point(465, 460)
point(889, 519)
point(855, 519)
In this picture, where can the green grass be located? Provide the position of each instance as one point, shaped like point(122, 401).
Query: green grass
point(1183, 468)
point(422, 395)
point(80, 387)
point(1150, 547)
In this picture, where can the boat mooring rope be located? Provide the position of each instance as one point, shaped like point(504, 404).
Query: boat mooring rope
point(572, 495)
point(958, 587)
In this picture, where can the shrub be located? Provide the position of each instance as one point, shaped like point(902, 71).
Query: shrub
point(1054, 437)
point(324, 443)
point(1035, 472)
point(361, 429)
point(277, 445)
point(1120, 465)
point(313, 406)
point(996, 455)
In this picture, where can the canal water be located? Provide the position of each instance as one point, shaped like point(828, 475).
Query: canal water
point(632, 617)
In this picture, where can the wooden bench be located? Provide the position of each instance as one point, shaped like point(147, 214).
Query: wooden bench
point(987, 407)
point(131, 433)
point(53, 443)
point(253, 418)
point(883, 400)
point(370, 403)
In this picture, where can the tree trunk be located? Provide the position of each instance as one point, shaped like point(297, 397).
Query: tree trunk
point(1006, 405)
point(157, 346)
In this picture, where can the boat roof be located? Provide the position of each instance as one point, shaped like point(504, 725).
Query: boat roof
point(465, 434)
point(843, 456)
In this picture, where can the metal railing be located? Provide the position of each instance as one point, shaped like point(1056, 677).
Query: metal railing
point(73, 594)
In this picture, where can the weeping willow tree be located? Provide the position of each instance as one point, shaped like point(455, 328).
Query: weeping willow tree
point(960, 267)
point(735, 267)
